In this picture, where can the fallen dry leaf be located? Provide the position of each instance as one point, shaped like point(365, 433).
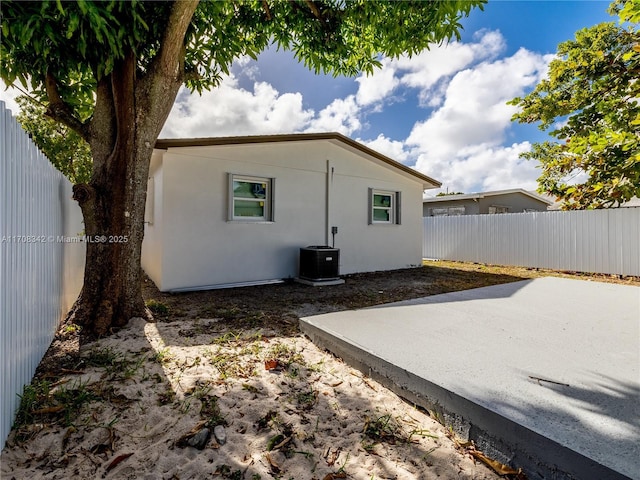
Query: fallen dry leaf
point(44, 411)
point(499, 468)
point(271, 364)
point(116, 461)
point(333, 476)
point(275, 468)
point(331, 456)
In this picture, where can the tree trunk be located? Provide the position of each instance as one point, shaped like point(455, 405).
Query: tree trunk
point(130, 110)
point(113, 209)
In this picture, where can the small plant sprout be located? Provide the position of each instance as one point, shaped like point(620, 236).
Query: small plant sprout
point(306, 400)
point(72, 328)
point(157, 308)
point(163, 356)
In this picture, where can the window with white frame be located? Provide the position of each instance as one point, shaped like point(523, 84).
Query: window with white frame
point(250, 198)
point(384, 207)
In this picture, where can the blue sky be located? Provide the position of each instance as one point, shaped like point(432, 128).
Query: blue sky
point(442, 112)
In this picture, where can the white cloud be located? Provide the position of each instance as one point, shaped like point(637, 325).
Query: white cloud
point(460, 143)
point(231, 110)
point(391, 148)
point(341, 116)
point(377, 86)
point(427, 70)
point(486, 168)
point(508, 170)
point(475, 109)
point(428, 67)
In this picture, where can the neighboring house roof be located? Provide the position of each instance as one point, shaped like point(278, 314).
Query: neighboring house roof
point(427, 181)
point(633, 203)
point(475, 196)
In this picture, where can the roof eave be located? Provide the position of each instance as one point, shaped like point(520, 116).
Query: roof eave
point(476, 196)
point(164, 144)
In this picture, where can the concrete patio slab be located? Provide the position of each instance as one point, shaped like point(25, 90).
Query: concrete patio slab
point(542, 374)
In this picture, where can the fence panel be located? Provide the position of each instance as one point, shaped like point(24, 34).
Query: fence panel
point(39, 272)
point(595, 241)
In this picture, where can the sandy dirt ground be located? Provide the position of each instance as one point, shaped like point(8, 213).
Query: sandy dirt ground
point(222, 385)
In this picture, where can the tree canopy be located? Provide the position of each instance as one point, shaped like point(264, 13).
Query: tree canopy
point(111, 70)
point(589, 103)
point(444, 194)
point(62, 146)
point(63, 49)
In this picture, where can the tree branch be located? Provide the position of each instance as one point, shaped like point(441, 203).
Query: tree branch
point(102, 124)
point(60, 111)
point(170, 60)
point(315, 10)
point(265, 7)
point(312, 12)
point(166, 72)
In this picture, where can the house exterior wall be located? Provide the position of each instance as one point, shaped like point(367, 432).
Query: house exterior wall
point(369, 247)
point(516, 202)
point(471, 207)
point(152, 260)
point(317, 184)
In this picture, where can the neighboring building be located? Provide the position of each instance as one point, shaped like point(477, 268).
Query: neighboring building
point(633, 203)
point(234, 211)
point(502, 201)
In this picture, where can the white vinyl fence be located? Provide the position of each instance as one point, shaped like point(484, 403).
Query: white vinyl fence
point(40, 271)
point(594, 241)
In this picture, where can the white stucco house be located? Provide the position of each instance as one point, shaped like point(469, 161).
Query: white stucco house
point(515, 200)
point(234, 211)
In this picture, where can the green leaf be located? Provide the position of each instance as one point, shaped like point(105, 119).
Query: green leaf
point(592, 89)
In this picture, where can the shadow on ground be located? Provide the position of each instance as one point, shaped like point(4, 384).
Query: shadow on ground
point(278, 306)
point(147, 389)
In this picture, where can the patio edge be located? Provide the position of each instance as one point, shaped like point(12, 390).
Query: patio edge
point(496, 436)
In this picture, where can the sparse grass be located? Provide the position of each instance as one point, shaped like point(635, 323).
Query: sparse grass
point(271, 417)
point(419, 432)
point(167, 397)
point(317, 367)
point(115, 364)
point(42, 401)
point(284, 354)
point(250, 388)
point(254, 348)
point(232, 312)
point(106, 358)
point(209, 408)
point(342, 470)
point(384, 428)
point(225, 471)
point(71, 328)
point(163, 356)
point(246, 328)
point(391, 430)
point(306, 400)
point(157, 307)
point(231, 364)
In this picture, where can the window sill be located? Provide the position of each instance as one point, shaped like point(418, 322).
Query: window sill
point(252, 222)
